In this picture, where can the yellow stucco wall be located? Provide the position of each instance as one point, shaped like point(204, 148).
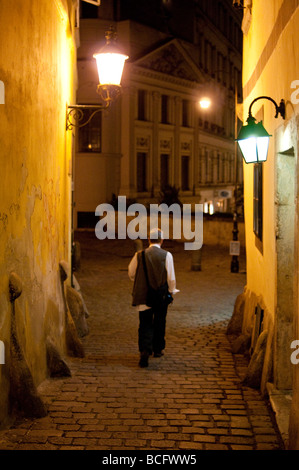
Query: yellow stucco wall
point(37, 63)
point(278, 69)
point(271, 65)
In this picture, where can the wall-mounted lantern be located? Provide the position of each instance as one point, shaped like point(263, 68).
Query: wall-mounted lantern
point(253, 139)
point(110, 63)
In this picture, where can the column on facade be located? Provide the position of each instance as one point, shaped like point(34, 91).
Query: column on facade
point(128, 161)
point(222, 167)
point(172, 119)
point(234, 169)
point(177, 143)
point(155, 150)
point(203, 169)
point(215, 167)
point(230, 168)
point(209, 165)
point(196, 158)
point(240, 169)
point(225, 169)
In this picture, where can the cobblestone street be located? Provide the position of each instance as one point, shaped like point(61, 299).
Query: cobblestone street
point(189, 399)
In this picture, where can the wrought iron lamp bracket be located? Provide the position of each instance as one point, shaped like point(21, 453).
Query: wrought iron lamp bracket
point(75, 113)
point(280, 109)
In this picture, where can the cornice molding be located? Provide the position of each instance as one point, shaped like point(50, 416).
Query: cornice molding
point(162, 77)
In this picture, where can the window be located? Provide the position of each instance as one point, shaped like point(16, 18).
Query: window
point(141, 172)
point(164, 109)
point(258, 201)
point(200, 167)
point(209, 167)
point(88, 10)
point(224, 75)
point(218, 167)
point(141, 105)
point(185, 113)
point(185, 173)
point(208, 57)
point(89, 136)
point(164, 167)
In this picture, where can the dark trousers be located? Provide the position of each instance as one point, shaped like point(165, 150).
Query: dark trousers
point(151, 332)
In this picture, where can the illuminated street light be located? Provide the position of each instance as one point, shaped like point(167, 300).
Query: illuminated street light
point(205, 103)
point(253, 139)
point(110, 63)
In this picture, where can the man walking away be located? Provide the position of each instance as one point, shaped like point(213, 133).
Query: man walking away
point(157, 269)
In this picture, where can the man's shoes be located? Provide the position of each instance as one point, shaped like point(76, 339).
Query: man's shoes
point(144, 359)
point(158, 354)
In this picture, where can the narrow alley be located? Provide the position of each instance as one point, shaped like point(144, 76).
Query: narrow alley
point(189, 399)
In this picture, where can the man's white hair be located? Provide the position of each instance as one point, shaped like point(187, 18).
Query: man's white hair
point(156, 234)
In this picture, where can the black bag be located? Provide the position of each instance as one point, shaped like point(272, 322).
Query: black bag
point(156, 297)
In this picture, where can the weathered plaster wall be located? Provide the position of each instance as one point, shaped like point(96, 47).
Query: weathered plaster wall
point(271, 59)
point(37, 57)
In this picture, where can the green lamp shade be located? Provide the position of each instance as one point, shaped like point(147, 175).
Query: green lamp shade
point(253, 140)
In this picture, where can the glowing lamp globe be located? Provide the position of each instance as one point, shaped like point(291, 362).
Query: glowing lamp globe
point(205, 103)
point(253, 140)
point(110, 62)
point(110, 67)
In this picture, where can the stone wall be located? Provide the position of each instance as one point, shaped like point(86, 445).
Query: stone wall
point(37, 58)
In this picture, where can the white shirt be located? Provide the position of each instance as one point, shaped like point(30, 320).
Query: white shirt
point(171, 281)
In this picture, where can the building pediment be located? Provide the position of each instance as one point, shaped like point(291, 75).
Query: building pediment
point(171, 59)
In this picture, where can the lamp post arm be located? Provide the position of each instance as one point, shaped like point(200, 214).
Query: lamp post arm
point(75, 114)
point(279, 109)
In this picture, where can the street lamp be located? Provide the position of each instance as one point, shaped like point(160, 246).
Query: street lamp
point(205, 103)
point(253, 139)
point(110, 63)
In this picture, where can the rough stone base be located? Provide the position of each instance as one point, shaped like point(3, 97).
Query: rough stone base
point(255, 367)
point(73, 343)
point(77, 310)
point(57, 367)
point(23, 397)
point(235, 324)
point(241, 344)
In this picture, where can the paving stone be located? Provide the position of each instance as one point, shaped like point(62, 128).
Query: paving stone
point(190, 399)
point(241, 447)
point(241, 432)
point(216, 447)
point(191, 446)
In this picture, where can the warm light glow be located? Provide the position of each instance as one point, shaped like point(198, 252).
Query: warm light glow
point(205, 103)
point(248, 149)
point(262, 148)
point(110, 67)
point(253, 141)
point(254, 149)
point(208, 207)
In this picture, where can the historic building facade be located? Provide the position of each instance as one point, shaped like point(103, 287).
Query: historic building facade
point(157, 135)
